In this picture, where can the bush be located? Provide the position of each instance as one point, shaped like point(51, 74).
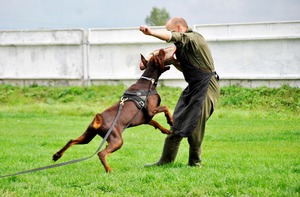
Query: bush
point(284, 98)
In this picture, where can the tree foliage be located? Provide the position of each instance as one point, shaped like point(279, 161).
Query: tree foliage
point(158, 17)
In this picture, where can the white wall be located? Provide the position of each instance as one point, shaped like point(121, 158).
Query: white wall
point(246, 54)
point(256, 54)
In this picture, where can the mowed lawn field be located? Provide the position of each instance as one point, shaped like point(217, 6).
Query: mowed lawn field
point(251, 146)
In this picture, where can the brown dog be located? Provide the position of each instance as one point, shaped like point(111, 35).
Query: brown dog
point(139, 103)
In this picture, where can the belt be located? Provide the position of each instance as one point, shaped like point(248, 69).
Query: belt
point(216, 75)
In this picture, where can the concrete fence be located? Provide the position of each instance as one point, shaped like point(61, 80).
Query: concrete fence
point(251, 55)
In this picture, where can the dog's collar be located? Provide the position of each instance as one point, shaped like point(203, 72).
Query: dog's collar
point(150, 79)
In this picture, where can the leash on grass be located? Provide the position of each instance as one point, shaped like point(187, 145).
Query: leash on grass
point(75, 160)
point(122, 101)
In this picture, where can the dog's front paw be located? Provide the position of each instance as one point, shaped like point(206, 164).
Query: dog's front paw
point(171, 122)
point(165, 131)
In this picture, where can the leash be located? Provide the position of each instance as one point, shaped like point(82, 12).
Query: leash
point(75, 160)
point(122, 101)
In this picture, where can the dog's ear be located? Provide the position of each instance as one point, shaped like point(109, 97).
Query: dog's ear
point(143, 63)
point(161, 56)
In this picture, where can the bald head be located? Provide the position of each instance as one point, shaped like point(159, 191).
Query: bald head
point(177, 24)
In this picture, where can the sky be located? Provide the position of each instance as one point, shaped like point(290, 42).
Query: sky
point(65, 14)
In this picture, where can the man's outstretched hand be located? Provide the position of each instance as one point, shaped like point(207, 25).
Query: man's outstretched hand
point(145, 29)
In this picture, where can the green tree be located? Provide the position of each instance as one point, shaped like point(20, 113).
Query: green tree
point(158, 17)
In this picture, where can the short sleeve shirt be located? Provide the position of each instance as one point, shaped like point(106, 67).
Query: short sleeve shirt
point(195, 49)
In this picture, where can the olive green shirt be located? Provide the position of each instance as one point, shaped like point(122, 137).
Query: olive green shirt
point(195, 47)
point(197, 52)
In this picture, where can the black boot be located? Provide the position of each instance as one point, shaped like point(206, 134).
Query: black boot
point(195, 156)
point(169, 153)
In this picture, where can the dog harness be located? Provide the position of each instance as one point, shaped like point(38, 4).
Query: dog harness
point(139, 97)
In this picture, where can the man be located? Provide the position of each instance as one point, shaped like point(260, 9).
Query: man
point(197, 101)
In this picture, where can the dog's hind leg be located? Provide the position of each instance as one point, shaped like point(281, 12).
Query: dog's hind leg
point(115, 142)
point(85, 138)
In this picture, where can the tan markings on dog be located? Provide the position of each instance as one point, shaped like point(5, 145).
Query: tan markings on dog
point(97, 121)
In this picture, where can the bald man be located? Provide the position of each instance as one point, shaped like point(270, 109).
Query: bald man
point(198, 100)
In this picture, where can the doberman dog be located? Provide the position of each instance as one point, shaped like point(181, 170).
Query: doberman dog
point(140, 103)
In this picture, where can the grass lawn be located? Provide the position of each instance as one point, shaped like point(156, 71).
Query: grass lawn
point(250, 148)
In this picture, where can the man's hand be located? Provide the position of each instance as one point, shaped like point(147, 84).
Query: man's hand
point(161, 34)
point(146, 30)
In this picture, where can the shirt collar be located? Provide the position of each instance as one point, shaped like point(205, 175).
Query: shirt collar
point(189, 30)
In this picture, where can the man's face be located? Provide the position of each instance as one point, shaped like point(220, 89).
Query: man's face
point(171, 27)
point(175, 28)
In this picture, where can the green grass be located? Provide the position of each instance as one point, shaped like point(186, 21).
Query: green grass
point(251, 146)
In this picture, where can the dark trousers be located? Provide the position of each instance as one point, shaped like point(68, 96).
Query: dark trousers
point(172, 141)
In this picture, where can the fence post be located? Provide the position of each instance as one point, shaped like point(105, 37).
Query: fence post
point(85, 57)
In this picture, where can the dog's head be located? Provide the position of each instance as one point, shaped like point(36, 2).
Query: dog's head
point(156, 59)
point(169, 58)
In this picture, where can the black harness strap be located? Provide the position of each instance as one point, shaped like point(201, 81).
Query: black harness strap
point(139, 97)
